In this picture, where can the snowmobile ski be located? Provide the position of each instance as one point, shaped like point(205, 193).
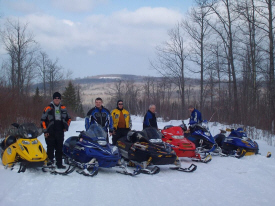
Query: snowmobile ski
point(191, 168)
point(87, 172)
point(206, 159)
point(153, 171)
point(125, 172)
point(240, 154)
point(52, 170)
point(22, 167)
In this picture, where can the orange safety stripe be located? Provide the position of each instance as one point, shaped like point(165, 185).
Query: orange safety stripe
point(63, 107)
point(44, 125)
point(69, 122)
point(46, 108)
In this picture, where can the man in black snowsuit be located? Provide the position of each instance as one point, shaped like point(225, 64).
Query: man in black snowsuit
point(55, 121)
point(150, 119)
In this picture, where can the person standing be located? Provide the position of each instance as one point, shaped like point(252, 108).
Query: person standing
point(55, 121)
point(122, 122)
point(150, 119)
point(99, 115)
point(195, 116)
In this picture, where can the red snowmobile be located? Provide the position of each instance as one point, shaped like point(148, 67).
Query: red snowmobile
point(174, 135)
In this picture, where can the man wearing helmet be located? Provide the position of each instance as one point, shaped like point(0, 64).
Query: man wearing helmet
point(55, 121)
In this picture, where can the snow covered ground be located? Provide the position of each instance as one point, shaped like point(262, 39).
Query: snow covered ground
point(224, 181)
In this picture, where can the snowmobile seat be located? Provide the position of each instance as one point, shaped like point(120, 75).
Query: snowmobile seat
point(73, 142)
point(219, 138)
point(127, 143)
point(167, 126)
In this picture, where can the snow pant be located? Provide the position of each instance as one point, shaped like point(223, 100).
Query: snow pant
point(120, 132)
point(55, 145)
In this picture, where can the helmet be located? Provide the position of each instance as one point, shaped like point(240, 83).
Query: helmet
point(136, 136)
point(28, 130)
point(130, 136)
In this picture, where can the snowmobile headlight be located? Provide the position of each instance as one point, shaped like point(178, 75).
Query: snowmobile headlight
point(178, 136)
point(35, 141)
point(155, 140)
point(207, 133)
point(25, 142)
point(102, 143)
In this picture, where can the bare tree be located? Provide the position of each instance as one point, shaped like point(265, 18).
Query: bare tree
point(196, 25)
point(224, 29)
point(21, 48)
point(171, 61)
point(43, 64)
point(265, 10)
point(54, 76)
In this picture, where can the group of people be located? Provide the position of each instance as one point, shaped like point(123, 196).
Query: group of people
point(55, 121)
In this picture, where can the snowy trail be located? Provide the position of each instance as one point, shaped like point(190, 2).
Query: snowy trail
point(224, 181)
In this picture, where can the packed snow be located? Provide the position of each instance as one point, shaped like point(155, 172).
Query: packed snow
point(223, 181)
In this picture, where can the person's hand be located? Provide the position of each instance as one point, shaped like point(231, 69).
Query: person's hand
point(46, 135)
point(64, 130)
point(110, 133)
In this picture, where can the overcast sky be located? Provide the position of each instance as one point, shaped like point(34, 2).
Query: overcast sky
point(93, 37)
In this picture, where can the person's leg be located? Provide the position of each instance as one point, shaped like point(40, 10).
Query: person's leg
point(114, 138)
point(50, 141)
point(59, 139)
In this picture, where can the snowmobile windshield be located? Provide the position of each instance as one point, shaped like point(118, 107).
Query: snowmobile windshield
point(199, 127)
point(240, 133)
point(153, 135)
point(28, 131)
point(95, 131)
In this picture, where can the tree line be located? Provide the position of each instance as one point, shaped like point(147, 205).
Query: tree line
point(229, 46)
point(25, 63)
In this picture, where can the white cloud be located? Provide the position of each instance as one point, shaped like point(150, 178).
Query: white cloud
point(122, 41)
point(137, 30)
point(68, 22)
point(76, 5)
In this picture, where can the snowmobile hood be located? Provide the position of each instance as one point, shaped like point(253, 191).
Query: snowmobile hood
point(206, 135)
point(240, 142)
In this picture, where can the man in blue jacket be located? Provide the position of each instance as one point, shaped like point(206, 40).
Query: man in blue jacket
point(150, 119)
point(195, 116)
point(99, 115)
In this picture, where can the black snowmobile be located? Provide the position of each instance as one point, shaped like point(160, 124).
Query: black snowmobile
point(145, 148)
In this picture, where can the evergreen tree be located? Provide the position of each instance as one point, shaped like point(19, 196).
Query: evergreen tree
point(69, 97)
point(79, 109)
point(37, 98)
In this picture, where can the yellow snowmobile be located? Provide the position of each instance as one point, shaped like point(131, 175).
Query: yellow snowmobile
point(23, 147)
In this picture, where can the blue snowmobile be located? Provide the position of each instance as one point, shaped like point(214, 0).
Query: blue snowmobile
point(201, 137)
point(90, 150)
point(236, 143)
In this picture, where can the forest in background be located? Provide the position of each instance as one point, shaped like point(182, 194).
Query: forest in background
point(229, 44)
